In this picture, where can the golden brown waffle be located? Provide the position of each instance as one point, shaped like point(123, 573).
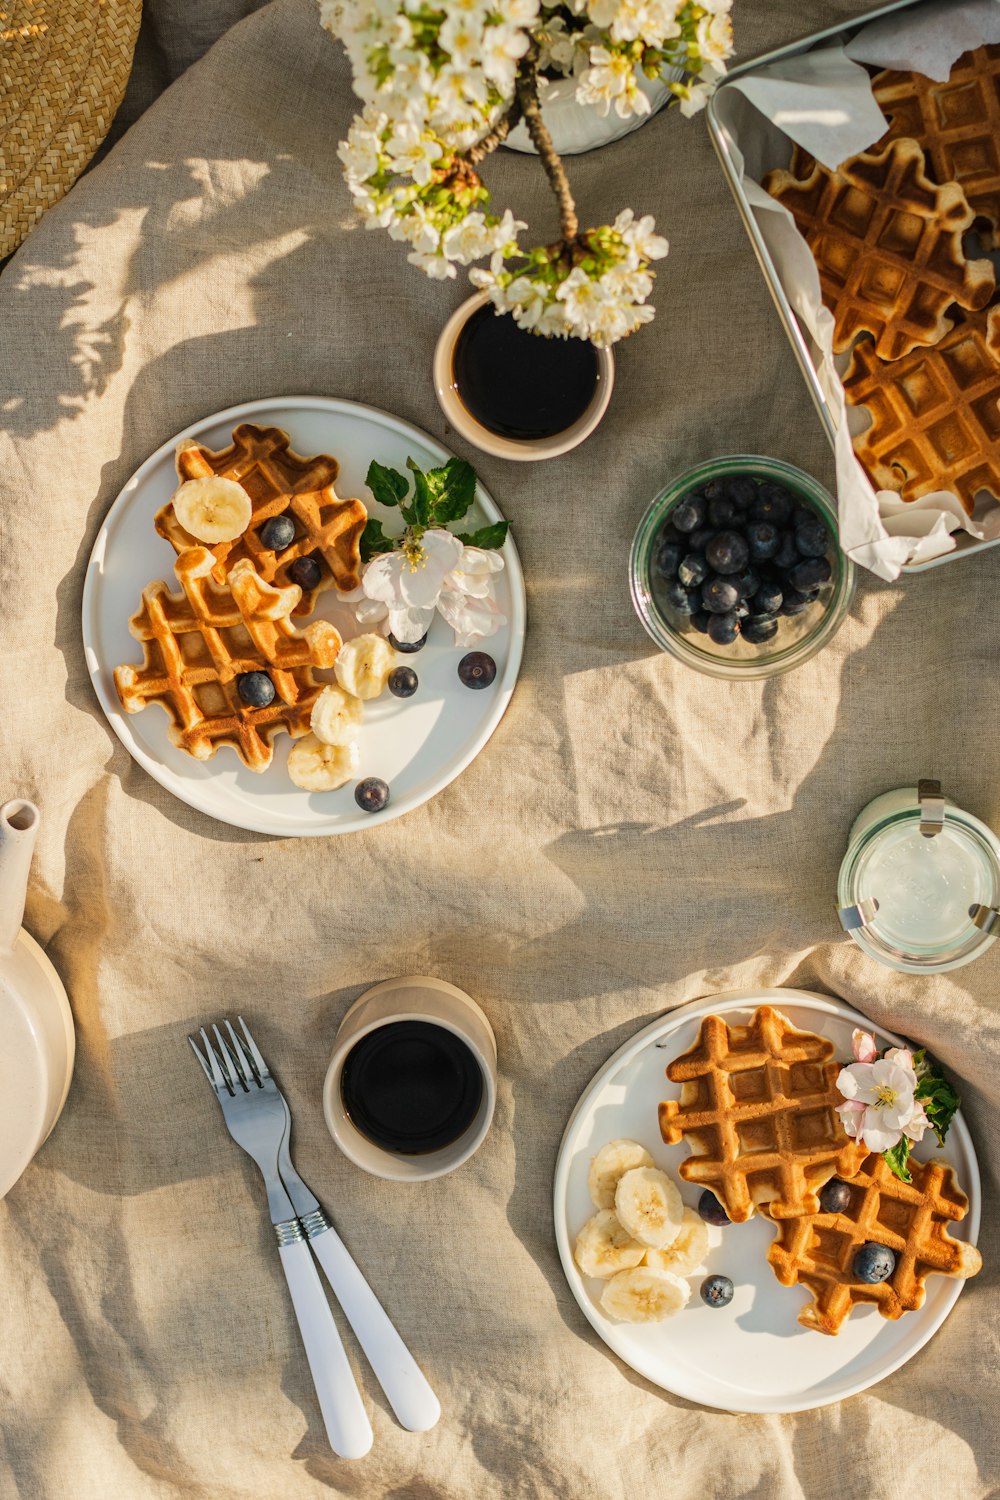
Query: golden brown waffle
point(757, 1111)
point(817, 1250)
point(888, 245)
point(277, 480)
point(935, 413)
point(957, 123)
point(199, 641)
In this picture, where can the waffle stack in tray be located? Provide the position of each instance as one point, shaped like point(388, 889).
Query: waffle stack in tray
point(890, 233)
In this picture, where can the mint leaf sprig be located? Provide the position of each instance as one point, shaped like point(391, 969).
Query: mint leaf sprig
point(438, 498)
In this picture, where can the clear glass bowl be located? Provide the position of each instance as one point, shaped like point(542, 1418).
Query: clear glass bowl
point(799, 637)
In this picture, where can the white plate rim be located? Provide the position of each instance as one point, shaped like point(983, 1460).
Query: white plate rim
point(198, 794)
point(671, 1021)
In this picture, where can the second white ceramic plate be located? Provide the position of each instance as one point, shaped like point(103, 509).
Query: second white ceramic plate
point(417, 745)
point(752, 1356)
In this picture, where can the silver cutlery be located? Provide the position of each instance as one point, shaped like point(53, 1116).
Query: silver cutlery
point(255, 1118)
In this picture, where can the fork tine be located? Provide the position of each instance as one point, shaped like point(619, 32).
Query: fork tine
point(243, 1056)
point(259, 1062)
point(204, 1065)
point(230, 1061)
point(219, 1079)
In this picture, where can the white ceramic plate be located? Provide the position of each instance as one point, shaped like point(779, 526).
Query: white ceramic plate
point(752, 1356)
point(418, 745)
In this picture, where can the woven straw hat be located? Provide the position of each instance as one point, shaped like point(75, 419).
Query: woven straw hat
point(63, 69)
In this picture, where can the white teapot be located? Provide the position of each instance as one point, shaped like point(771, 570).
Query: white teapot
point(37, 1041)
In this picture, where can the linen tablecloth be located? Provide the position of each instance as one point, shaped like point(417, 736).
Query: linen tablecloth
point(634, 836)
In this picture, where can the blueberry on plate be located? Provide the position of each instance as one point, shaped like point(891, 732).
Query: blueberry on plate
point(306, 572)
point(690, 512)
point(719, 596)
point(685, 601)
point(741, 490)
point(787, 554)
point(407, 647)
point(812, 538)
point(835, 1197)
point(278, 533)
point(717, 1291)
point(763, 540)
point(773, 503)
point(668, 556)
point(723, 629)
point(699, 540)
point(402, 682)
point(712, 1210)
point(759, 629)
point(477, 670)
point(727, 552)
point(722, 511)
point(700, 620)
point(810, 573)
point(748, 583)
point(256, 689)
point(769, 596)
point(874, 1263)
point(372, 794)
point(794, 602)
point(693, 570)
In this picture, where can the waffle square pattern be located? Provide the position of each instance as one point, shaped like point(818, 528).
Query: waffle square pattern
point(757, 1112)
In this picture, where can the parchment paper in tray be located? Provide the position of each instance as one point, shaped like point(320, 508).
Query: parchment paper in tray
point(823, 100)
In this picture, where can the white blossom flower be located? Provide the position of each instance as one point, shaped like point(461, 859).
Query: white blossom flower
point(412, 152)
point(434, 266)
point(468, 240)
point(501, 49)
point(610, 80)
point(401, 594)
point(639, 235)
point(879, 1106)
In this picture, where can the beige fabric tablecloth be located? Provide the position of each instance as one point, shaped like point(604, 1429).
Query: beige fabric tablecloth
point(633, 837)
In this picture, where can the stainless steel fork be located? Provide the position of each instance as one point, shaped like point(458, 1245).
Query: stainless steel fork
point(256, 1118)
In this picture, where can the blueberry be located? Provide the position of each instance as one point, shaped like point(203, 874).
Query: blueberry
point(835, 1197)
point(407, 647)
point(715, 489)
point(690, 512)
point(774, 504)
point(477, 670)
point(768, 598)
point(693, 570)
point(722, 511)
point(874, 1263)
point(720, 595)
point(717, 1291)
point(668, 557)
point(812, 538)
point(255, 688)
point(685, 601)
point(810, 573)
point(741, 490)
point(802, 515)
point(748, 583)
point(402, 682)
point(372, 794)
point(668, 533)
point(794, 602)
point(763, 540)
point(712, 1210)
point(727, 552)
point(278, 533)
point(759, 629)
point(306, 572)
point(723, 629)
point(699, 540)
point(787, 554)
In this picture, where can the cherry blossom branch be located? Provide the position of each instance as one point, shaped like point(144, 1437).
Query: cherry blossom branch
point(531, 111)
point(496, 136)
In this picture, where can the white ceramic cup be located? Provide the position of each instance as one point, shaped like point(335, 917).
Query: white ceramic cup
point(411, 999)
point(521, 450)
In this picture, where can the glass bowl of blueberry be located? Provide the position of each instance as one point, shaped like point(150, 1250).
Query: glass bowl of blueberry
point(735, 568)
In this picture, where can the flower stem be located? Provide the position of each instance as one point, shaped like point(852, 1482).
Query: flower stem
point(496, 136)
point(527, 97)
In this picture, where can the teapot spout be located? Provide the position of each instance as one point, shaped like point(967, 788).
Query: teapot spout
point(18, 830)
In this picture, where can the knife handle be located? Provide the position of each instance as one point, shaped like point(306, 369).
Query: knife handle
point(397, 1372)
point(344, 1415)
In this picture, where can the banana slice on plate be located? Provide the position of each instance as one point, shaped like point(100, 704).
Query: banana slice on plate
point(609, 1165)
point(337, 716)
point(604, 1247)
point(364, 664)
point(644, 1295)
point(316, 767)
point(649, 1206)
point(212, 509)
point(686, 1253)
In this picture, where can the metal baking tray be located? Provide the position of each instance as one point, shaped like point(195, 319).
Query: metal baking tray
point(724, 146)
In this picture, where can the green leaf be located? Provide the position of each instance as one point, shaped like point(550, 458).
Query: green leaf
point(387, 485)
point(374, 540)
point(897, 1156)
point(419, 512)
point(453, 489)
point(486, 536)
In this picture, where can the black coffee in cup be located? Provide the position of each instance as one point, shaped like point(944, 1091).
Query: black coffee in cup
point(411, 1087)
point(518, 384)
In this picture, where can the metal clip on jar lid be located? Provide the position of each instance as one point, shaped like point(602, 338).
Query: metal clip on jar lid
point(931, 801)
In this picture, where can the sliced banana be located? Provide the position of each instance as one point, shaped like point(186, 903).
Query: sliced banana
point(644, 1295)
point(212, 509)
point(649, 1206)
point(610, 1164)
point(604, 1247)
point(337, 716)
point(687, 1251)
point(364, 664)
point(316, 767)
